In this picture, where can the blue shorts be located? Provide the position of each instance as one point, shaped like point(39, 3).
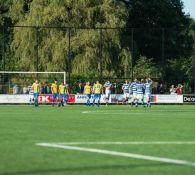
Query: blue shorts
point(88, 96)
point(64, 96)
point(54, 95)
point(36, 95)
point(97, 96)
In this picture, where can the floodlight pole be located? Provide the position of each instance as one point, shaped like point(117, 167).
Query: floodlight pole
point(4, 46)
point(69, 61)
point(101, 56)
point(163, 46)
point(132, 52)
point(37, 49)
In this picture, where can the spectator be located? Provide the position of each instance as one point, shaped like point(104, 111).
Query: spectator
point(41, 87)
point(160, 89)
point(172, 90)
point(16, 89)
point(114, 88)
point(179, 89)
point(25, 90)
point(29, 89)
point(46, 88)
point(80, 89)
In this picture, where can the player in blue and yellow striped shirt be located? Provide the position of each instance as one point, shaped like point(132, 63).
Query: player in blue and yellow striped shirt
point(63, 94)
point(97, 90)
point(87, 92)
point(54, 91)
point(36, 90)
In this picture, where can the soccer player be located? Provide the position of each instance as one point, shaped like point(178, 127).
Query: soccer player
point(148, 91)
point(66, 94)
point(54, 91)
point(107, 87)
point(97, 90)
point(143, 88)
point(133, 88)
point(87, 92)
point(31, 94)
point(140, 92)
point(63, 92)
point(36, 90)
point(125, 89)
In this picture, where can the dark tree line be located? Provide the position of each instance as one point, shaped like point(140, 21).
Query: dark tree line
point(157, 33)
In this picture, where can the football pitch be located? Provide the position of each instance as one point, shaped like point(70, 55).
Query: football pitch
point(114, 140)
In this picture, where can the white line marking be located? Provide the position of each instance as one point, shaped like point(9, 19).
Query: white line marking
point(120, 154)
point(138, 114)
point(108, 112)
point(103, 111)
point(140, 110)
point(130, 143)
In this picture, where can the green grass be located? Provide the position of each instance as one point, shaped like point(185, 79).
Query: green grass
point(21, 127)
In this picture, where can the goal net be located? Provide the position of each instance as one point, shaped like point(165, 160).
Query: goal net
point(20, 82)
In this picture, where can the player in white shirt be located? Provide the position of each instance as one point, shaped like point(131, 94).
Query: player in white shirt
point(107, 87)
point(133, 88)
point(148, 91)
point(143, 88)
point(31, 96)
point(140, 92)
point(126, 88)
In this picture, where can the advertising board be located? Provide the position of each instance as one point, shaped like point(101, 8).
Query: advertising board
point(189, 98)
point(81, 99)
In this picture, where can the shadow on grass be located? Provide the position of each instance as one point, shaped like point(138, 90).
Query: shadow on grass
point(80, 169)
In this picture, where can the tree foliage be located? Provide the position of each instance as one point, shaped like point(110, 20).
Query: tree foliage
point(53, 43)
point(155, 21)
point(5, 34)
point(146, 29)
point(145, 68)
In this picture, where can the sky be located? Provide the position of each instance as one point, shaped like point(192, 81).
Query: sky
point(190, 7)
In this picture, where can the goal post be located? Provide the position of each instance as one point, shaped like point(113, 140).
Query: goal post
point(22, 78)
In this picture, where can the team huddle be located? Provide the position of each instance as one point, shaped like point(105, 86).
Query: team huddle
point(135, 91)
point(138, 89)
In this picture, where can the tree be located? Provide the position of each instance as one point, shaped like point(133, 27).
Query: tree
point(149, 29)
point(145, 68)
point(159, 24)
point(5, 33)
point(89, 48)
point(192, 27)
